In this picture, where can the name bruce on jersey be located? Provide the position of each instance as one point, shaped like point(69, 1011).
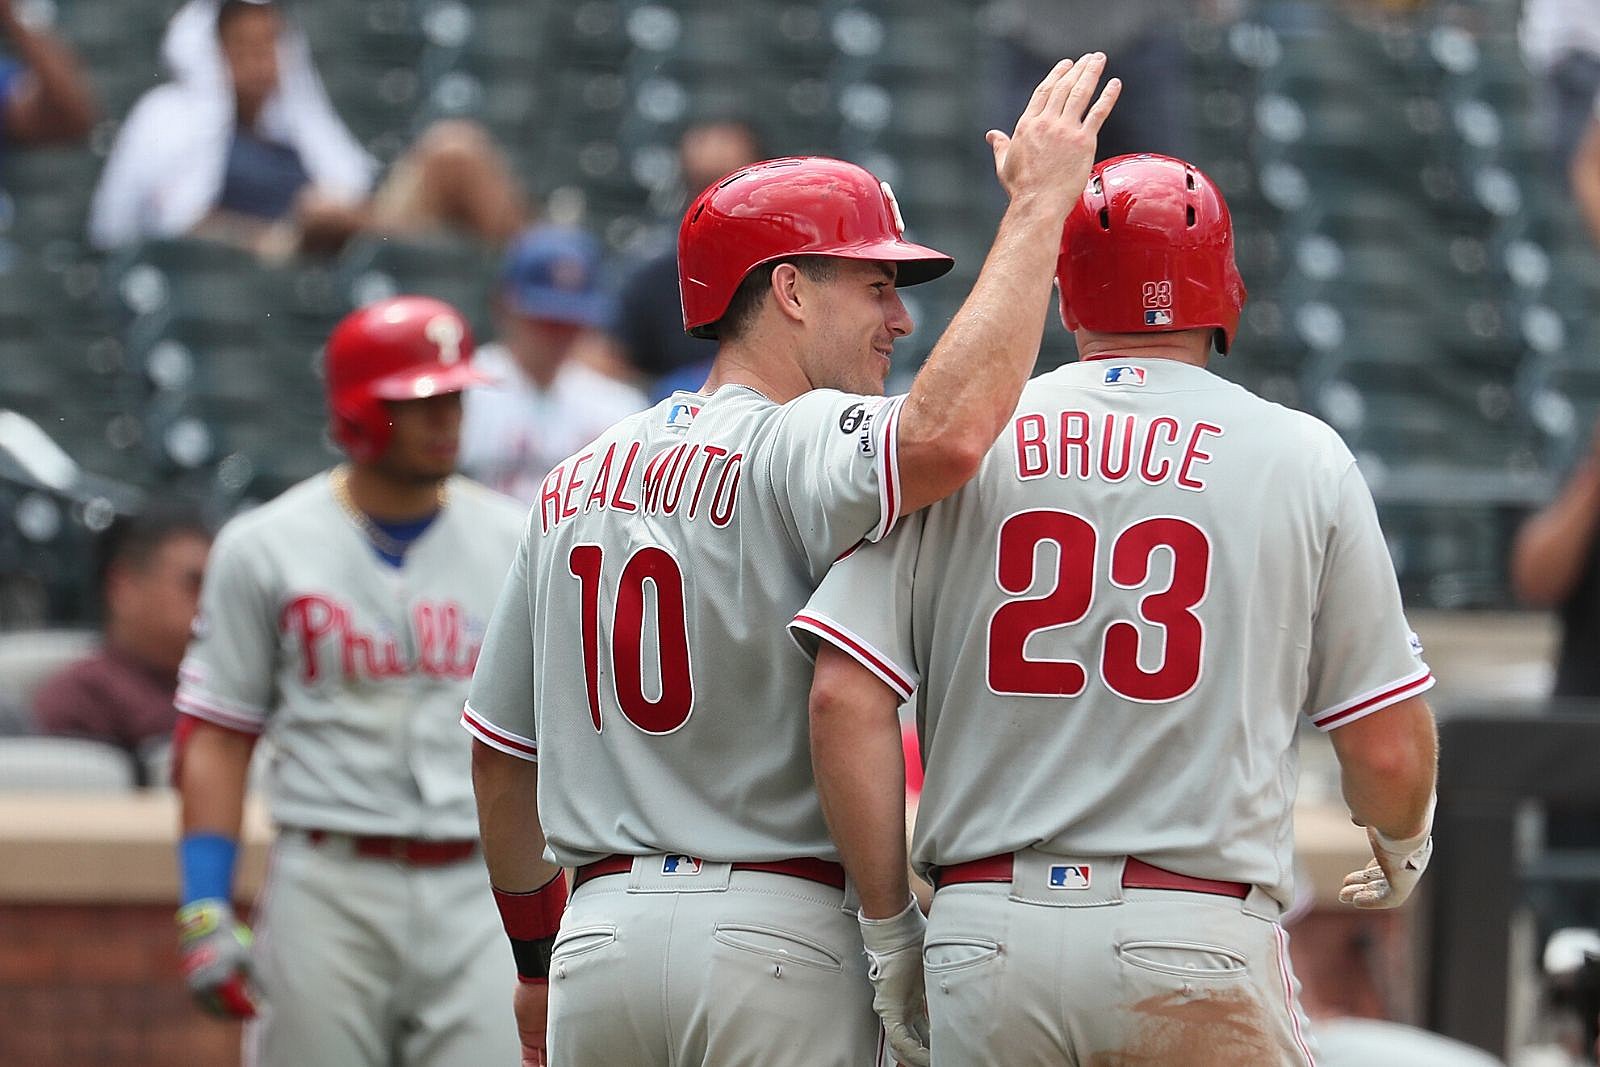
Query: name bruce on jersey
point(573, 487)
point(1075, 444)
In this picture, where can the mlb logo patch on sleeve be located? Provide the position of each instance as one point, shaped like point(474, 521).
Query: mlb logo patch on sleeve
point(1069, 876)
point(680, 865)
point(1125, 375)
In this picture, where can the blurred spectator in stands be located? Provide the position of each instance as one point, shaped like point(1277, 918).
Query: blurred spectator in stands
point(244, 146)
point(546, 405)
point(1141, 39)
point(649, 323)
point(1561, 43)
point(150, 584)
point(44, 97)
point(1555, 563)
point(1584, 170)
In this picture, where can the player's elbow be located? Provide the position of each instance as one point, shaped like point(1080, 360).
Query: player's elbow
point(1398, 746)
point(934, 469)
point(829, 701)
point(1534, 581)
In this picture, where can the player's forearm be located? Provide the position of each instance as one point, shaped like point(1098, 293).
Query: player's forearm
point(1552, 547)
point(1388, 764)
point(969, 387)
point(508, 820)
point(214, 769)
point(860, 770)
point(59, 105)
point(1585, 175)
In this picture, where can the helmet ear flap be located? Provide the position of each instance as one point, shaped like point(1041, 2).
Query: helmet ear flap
point(361, 429)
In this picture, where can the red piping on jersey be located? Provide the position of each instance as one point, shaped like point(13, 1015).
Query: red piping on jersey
point(891, 469)
point(190, 704)
point(477, 725)
point(860, 651)
point(1388, 696)
point(891, 463)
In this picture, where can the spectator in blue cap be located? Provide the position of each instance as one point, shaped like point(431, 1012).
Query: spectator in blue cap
point(551, 299)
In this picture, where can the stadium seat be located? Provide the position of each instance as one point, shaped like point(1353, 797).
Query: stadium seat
point(28, 657)
point(64, 764)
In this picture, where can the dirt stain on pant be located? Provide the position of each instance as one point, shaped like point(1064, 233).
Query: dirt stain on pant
point(1200, 1029)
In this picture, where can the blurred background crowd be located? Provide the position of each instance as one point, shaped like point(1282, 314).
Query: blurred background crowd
point(192, 193)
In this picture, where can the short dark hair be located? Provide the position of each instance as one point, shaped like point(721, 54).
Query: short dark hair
point(746, 301)
point(133, 540)
point(232, 9)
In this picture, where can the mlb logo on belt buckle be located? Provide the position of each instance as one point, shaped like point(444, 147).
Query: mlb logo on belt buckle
point(1069, 876)
point(680, 865)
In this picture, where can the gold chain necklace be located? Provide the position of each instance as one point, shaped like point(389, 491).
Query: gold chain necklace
point(381, 540)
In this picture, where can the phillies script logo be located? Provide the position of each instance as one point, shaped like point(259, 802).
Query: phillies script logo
point(325, 632)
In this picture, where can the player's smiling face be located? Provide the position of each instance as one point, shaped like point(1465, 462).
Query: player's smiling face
point(426, 438)
point(854, 341)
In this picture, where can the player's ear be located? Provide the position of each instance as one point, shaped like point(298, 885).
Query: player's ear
point(786, 286)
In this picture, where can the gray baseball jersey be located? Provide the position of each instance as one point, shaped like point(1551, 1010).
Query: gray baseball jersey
point(638, 649)
point(356, 668)
point(1113, 630)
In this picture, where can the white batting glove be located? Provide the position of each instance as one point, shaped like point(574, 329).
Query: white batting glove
point(894, 964)
point(1395, 870)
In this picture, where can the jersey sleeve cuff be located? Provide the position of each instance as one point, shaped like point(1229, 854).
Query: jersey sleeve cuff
point(1360, 707)
point(497, 738)
point(887, 429)
point(902, 681)
point(196, 702)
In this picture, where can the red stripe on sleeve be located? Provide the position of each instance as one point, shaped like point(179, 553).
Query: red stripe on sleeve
point(492, 735)
point(1389, 696)
point(882, 667)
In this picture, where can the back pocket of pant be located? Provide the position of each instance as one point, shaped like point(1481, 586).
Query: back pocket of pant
point(948, 954)
point(1186, 959)
point(582, 941)
point(774, 943)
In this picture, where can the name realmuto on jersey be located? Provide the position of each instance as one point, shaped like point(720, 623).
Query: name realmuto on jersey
point(324, 629)
point(1112, 447)
point(686, 479)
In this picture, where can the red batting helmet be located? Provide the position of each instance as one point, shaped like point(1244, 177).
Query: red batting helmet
point(798, 206)
point(404, 348)
point(1149, 247)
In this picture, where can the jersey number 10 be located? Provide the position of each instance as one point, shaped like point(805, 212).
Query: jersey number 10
point(670, 708)
point(1011, 672)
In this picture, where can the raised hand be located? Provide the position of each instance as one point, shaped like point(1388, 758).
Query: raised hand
point(1049, 155)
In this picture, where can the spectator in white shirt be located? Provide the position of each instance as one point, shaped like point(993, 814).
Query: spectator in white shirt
point(547, 404)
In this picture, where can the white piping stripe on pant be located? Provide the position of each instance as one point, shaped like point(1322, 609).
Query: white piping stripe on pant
point(1282, 940)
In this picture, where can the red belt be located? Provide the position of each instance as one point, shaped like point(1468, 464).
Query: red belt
point(411, 851)
point(1136, 874)
point(812, 870)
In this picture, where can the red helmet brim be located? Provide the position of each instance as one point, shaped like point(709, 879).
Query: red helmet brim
point(419, 385)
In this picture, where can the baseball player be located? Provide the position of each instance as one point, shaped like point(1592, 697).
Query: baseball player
point(636, 678)
point(343, 620)
point(1111, 634)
